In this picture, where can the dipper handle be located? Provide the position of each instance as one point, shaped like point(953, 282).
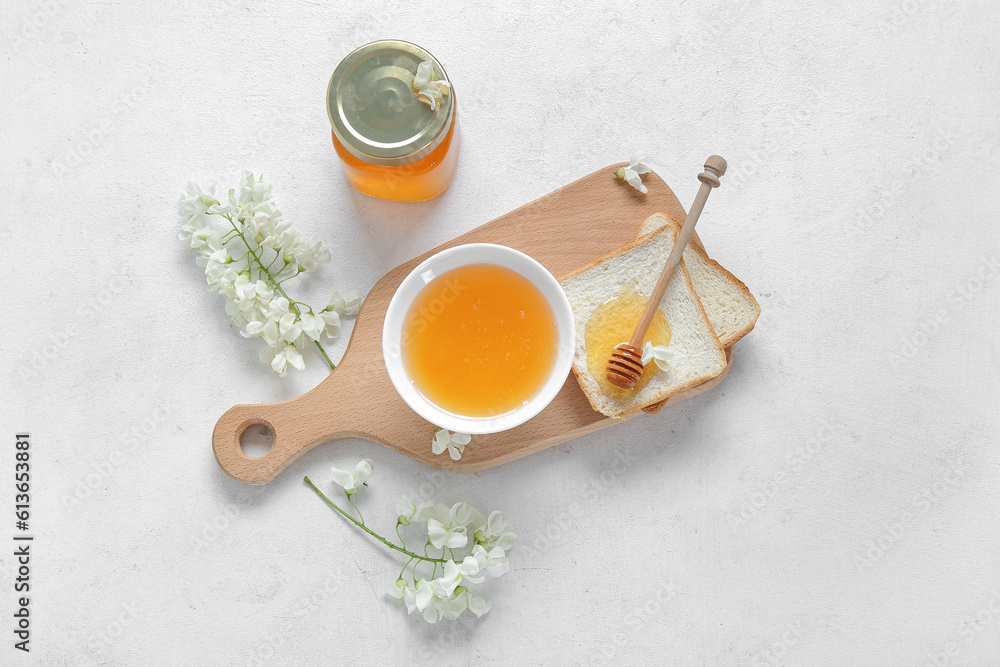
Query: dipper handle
point(622, 367)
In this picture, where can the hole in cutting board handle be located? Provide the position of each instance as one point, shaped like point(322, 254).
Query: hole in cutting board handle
point(257, 440)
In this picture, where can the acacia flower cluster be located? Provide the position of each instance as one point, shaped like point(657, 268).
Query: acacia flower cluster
point(248, 262)
point(460, 527)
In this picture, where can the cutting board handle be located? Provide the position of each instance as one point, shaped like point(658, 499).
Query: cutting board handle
point(297, 426)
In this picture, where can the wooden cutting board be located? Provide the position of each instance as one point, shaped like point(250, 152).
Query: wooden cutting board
point(562, 230)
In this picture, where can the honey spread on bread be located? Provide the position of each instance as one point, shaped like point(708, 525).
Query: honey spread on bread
point(613, 323)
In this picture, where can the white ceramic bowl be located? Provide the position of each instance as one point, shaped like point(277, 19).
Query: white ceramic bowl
point(477, 253)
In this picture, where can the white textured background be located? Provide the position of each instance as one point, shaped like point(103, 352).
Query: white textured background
point(860, 208)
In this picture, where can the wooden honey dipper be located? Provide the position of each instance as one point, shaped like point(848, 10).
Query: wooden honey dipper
point(625, 366)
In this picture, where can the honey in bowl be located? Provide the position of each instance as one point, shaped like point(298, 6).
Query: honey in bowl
point(479, 340)
point(613, 323)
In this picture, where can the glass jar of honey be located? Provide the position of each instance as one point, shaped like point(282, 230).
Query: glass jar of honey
point(391, 144)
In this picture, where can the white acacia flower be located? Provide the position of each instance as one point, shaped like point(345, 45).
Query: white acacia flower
point(285, 357)
point(347, 304)
point(245, 296)
point(445, 585)
point(661, 354)
point(309, 256)
point(464, 514)
point(493, 562)
point(441, 513)
point(471, 566)
point(442, 536)
point(332, 321)
point(631, 174)
point(397, 589)
point(270, 332)
point(195, 201)
point(449, 607)
point(196, 232)
point(433, 612)
point(212, 253)
point(454, 442)
point(264, 294)
point(403, 590)
point(497, 532)
point(351, 480)
point(215, 270)
point(429, 90)
point(312, 325)
point(452, 607)
point(253, 328)
point(477, 604)
point(424, 595)
point(425, 511)
point(289, 328)
point(407, 511)
point(277, 308)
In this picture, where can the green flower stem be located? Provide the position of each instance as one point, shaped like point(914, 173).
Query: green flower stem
point(325, 356)
point(401, 540)
point(404, 569)
point(369, 531)
point(360, 516)
point(277, 284)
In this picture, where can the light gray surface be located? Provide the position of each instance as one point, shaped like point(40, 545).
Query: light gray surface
point(861, 204)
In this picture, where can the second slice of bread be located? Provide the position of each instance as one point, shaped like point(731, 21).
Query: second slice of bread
point(698, 354)
point(730, 306)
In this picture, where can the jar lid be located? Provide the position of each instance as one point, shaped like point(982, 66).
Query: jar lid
point(374, 110)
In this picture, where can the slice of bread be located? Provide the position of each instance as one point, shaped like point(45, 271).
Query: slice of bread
point(698, 355)
point(730, 306)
